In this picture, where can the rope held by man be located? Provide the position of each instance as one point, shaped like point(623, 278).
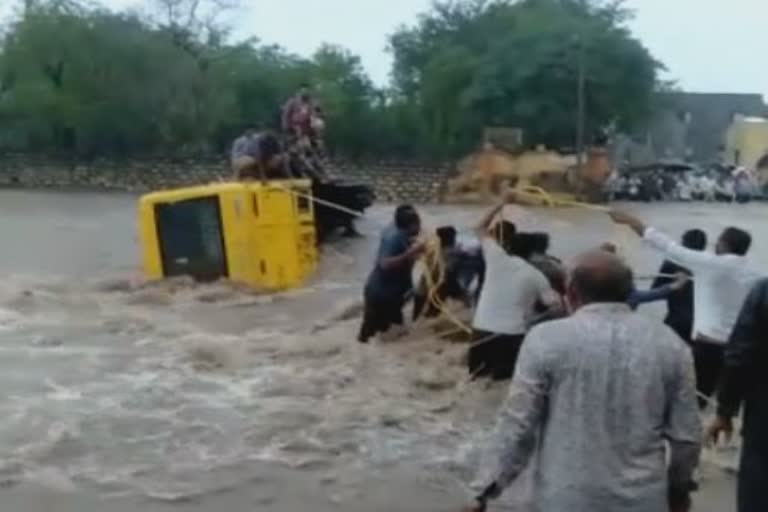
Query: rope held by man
point(432, 253)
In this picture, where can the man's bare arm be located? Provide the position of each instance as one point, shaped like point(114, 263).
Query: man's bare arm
point(412, 253)
point(688, 258)
point(485, 224)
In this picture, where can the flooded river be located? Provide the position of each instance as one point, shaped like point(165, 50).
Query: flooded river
point(120, 396)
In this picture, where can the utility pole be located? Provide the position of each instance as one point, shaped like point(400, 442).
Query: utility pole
point(581, 103)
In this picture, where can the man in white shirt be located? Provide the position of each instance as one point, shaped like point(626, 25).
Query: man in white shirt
point(722, 279)
point(508, 299)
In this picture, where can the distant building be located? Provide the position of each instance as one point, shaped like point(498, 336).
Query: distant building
point(746, 142)
point(689, 126)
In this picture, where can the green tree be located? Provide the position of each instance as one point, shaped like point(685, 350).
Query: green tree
point(87, 81)
point(473, 63)
point(346, 95)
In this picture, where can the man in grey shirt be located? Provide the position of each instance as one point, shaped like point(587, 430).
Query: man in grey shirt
point(241, 145)
point(595, 399)
point(258, 156)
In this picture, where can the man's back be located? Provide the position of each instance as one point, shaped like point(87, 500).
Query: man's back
point(510, 294)
point(680, 302)
point(618, 385)
point(396, 281)
point(239, 147)
point(721, 287)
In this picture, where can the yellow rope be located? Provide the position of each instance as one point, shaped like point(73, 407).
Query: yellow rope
point(434, 254)
point(537, 193)
point(434, 250)
point(548, 199)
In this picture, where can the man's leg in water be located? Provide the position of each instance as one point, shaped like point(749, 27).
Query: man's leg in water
point(380, 313)
point(393, 325)
point(753, 474)
point(420, 297)
point(373, 320)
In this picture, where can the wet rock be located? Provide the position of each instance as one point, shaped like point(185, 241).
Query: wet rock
point(391, 421)
point(329, 479)
point(311, 464)
point(433, 379)
point(114, 286)
point(211, 357)
point(47, 341)
point(265, 501)
point(215, 296)
point(149, 297)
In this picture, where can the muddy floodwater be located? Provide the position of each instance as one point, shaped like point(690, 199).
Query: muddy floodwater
point(119, 396)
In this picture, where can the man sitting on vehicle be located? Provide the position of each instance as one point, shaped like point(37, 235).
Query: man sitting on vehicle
point(258, 156)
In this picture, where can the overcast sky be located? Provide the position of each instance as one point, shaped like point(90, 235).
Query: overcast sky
point(707, 45)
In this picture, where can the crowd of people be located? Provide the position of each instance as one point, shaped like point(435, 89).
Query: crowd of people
point(605, 400)
point(717, 184)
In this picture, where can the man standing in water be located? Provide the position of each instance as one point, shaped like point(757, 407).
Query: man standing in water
point(391, 279)
point(745, 380)
point(722, 282)
point(596, 396)
point(512, 289)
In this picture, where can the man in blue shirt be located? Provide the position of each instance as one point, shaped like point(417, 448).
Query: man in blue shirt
point(663, 292)
point(639, 297)
point(391, 281)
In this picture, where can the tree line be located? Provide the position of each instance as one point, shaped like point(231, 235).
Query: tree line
point(86, 81)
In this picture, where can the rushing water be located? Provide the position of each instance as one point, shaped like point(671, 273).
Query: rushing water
point(175, 391)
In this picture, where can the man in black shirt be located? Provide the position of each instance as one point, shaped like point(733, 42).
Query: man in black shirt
point(390, 281)
point(745, 381)
point(680, 303)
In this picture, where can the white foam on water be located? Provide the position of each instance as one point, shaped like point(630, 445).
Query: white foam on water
point(51, 478)
point(142, 397)
point(171, 390)
point(62, 393)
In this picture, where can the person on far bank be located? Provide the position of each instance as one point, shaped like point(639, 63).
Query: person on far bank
point(603, 404)
point(722, 280)
point(512, 289)
point(745, 381)
point(391, 279)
